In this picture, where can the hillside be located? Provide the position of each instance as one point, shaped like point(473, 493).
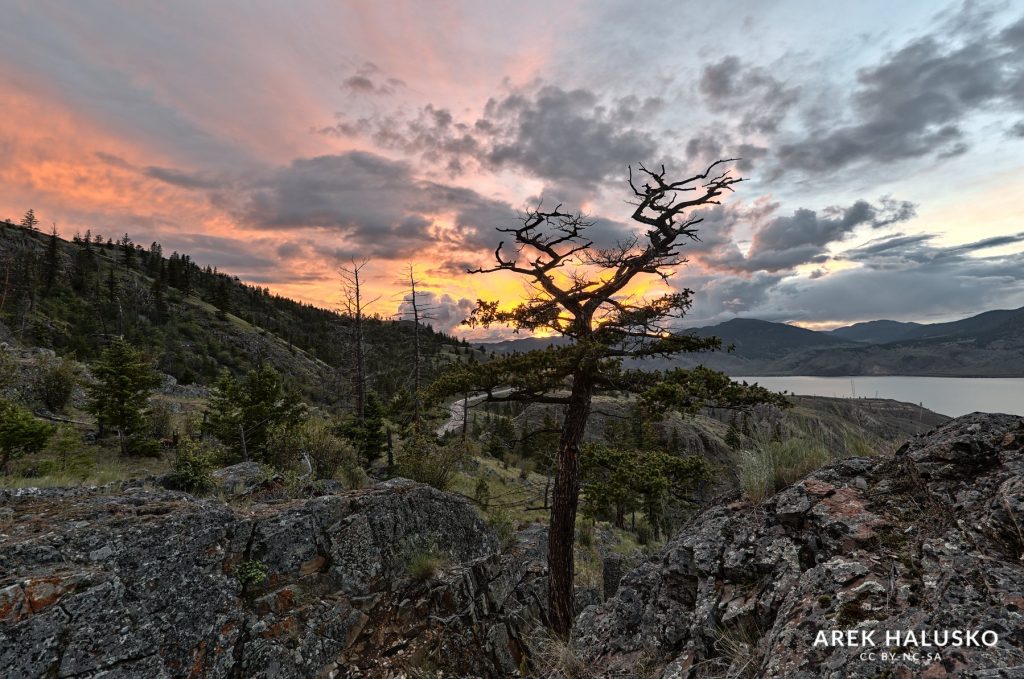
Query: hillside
point(987, 345)
point(876, 332)
point(72, 296)
point(990, 344)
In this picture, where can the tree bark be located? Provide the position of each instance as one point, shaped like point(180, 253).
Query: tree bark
point(564, 502)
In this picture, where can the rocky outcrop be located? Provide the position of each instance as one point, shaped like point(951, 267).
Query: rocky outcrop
point(153, 583)
point(931, 541)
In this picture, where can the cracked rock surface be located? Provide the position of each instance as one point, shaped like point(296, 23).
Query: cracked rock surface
point(932, 539)
point(144, 583)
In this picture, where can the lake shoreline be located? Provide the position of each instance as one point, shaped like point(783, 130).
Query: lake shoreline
point(951, 396)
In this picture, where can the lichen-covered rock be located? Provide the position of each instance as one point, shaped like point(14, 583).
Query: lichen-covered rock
point(932, 540)
point(143, 583)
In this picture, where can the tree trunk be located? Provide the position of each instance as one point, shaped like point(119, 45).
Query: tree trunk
point(562, 531)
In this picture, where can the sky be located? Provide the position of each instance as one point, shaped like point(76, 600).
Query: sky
point(881, 143)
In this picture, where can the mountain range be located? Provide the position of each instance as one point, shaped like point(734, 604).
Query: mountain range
point(990, 344)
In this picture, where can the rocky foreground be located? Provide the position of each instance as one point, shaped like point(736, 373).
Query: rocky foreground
point(930, 541)
point(138, 582)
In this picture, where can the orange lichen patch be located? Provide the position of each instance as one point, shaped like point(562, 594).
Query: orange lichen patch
point(819, 488)
point(198, 668)
point(284, 599)
point(934, 671)
point(12, 603)
point(284, 628)
point(42, 593)
point(312, 566)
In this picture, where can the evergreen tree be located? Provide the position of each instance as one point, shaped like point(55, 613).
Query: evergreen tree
point(370, 436)
point(51, 263)
point(30, 221)
point(244, 412)
point(579, 295)
point(124, 380)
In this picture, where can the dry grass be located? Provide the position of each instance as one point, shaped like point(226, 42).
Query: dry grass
point(772, 465)
point(553, 658)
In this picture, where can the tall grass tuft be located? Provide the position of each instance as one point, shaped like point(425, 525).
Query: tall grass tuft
point(772, 465)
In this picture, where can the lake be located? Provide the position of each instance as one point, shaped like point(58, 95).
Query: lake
point(953, 396)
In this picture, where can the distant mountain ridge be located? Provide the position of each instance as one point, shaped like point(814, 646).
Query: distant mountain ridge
point(876, 332)
point(990, 344)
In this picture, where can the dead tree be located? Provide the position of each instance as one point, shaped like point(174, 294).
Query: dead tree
point(579, 291)
point(354, 306)
point(418, 312)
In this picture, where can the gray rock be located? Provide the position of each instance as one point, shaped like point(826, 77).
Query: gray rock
point(133, 582)
point(932, 539)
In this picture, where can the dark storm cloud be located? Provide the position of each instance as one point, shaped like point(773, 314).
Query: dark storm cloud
point(898, 250)
point(368, 80)
point(917, 101)
point(568, 136)
point(188, 180)
point(168, 175)
point(764, 100)
point(377, 204)
point(899, 276)
point(784, 242)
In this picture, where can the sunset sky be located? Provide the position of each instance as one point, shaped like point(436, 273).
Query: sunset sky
point(883, 142)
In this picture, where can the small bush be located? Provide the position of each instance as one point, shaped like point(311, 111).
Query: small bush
point(191, 469)
point(311, 440)
point(501, 522)
point(68, 455)
point(251, 573)
point(56, 379)
point(585, 535)
point(776, 464)
point(425, 564)
point(21, 433)
point(423, 459)
point(644, 534)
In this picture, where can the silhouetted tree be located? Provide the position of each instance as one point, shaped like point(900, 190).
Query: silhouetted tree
point(354, 306)
point(30, 221)
point(580, 291)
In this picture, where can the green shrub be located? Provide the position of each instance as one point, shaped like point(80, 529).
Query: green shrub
point(250, 573)
point(425, 564)
point(423, 459)
point(68, 455)
point(644, 534)
point(21, 433)
point(56, 379)
point(503, 525)
point(191, 469)
point(773, 465)
point(585, 535)
point(314, 440)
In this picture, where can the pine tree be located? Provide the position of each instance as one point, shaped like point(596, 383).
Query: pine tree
point(52, 263)
point(579, 295)
point(244, 412)
point(30, 221)
point(124, 380)
point(370, 435)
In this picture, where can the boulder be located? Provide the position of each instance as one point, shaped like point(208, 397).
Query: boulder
point(931, 540)
point(154, 583)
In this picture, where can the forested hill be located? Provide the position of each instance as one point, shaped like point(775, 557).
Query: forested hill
point(72, 296)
